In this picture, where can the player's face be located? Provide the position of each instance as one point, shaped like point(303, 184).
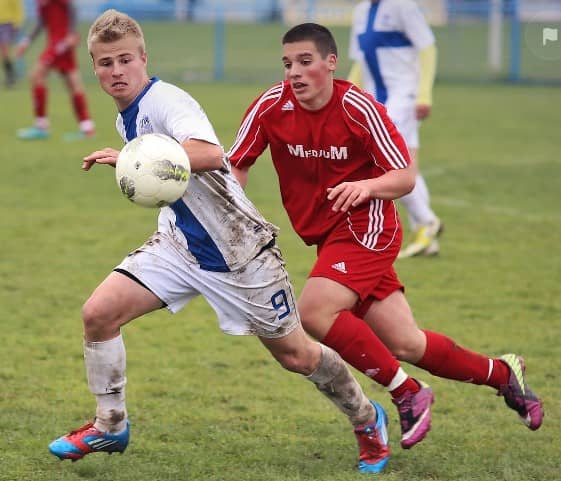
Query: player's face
point(310, 75)
point(120, 68)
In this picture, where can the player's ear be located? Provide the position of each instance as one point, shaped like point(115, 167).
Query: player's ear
point(332, 62)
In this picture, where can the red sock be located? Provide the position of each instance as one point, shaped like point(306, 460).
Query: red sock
point(444, 358)
point(39, 95)
point(409, 385)
point(80, 106)
point(360, 347)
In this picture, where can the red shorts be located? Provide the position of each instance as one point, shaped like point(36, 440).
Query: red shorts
point(65, 62)
point(369, 273)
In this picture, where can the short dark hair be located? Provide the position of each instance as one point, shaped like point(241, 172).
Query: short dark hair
point(320, 35)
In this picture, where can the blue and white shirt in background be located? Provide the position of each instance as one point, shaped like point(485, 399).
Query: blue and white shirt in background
point(386, 37)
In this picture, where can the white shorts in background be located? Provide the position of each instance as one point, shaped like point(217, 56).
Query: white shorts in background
point(257, 299)
point(404, 117)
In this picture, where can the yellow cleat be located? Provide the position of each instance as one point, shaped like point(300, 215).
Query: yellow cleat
point(425, 241)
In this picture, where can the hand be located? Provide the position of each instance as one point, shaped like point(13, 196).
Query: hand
point(348, 194)
point(67, 43)
point(21, 47)
point(422, 111)
point(105, 156)
point(72, 39)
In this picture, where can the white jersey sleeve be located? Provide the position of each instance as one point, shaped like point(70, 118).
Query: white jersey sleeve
point(415, 25)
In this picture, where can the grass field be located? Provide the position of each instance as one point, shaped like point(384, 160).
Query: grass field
point(207, 407)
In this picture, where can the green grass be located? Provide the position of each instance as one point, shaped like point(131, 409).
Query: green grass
point(205, 406)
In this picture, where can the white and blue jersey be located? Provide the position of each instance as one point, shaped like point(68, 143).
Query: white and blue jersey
point(386, 37)
point(222, 229)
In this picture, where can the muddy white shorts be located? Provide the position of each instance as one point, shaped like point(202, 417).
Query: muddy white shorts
point(256, 299)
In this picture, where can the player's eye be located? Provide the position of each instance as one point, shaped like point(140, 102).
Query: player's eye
point(287, 65)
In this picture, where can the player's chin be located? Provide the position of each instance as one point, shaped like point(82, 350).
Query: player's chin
point(301, 94)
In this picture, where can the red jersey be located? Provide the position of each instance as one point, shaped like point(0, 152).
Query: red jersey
point(349, 139)
point(57, 17)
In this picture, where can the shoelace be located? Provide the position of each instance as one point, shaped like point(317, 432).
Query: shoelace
point(405, 407)
point(370, 447)
point(80, 430)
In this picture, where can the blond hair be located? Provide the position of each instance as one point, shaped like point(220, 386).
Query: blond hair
point(113, 25)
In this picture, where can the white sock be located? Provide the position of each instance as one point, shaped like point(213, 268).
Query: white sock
point(87, 126)
point(105, 368)
point(42, 123)
point(399, 378)
point(334, 380)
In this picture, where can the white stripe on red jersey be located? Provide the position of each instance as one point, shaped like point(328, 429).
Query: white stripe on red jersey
point(376, 127)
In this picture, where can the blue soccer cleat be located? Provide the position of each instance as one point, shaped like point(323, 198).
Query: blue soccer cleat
point(373, 443)
point(78, 135)
point(88, 439)
point(32, 133)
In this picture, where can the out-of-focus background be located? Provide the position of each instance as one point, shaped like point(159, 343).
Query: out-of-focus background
point(515, 40)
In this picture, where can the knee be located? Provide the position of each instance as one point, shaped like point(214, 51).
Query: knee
point(408, 349)
point(98, 320)
point(315, 321)
point(37, 77)
point(307, 310)
point(296, 362)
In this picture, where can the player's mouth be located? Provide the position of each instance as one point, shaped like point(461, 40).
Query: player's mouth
point(118, 84)
point(298, 86)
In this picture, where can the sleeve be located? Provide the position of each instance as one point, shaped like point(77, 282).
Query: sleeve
point(427, 64)
point(251, 139)
point(389, 147)
point(380, 137)
point(415, 25)
point(185, 119)
point(355, 75)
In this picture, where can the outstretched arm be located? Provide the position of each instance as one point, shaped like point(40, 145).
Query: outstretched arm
point(104, 156)
point(27, 40)
point(202, 156)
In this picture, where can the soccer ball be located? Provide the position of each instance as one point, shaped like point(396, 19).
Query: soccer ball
point(153, 170)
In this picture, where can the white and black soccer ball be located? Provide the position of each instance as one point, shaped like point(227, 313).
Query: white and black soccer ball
point(153, 170)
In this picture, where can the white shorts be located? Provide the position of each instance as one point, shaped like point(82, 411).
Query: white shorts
point(257, 299)
point(404, 117)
